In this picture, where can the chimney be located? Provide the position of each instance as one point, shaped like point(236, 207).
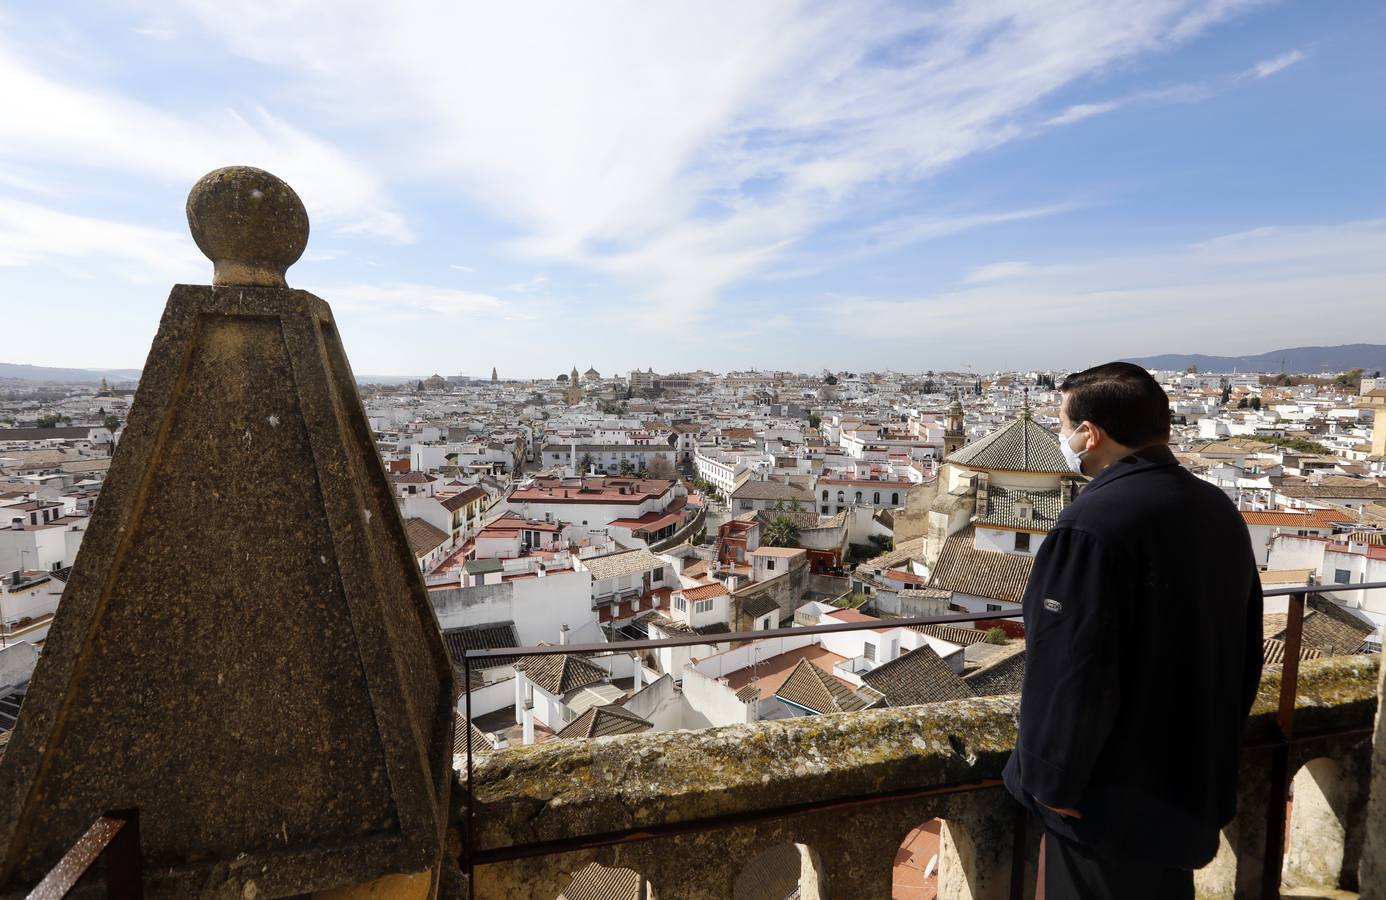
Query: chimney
point(639, 673)
point(528, 725)
point(563, 635)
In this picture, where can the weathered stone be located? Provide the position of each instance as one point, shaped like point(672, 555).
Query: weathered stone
point(1372, 871)
point(251, 225)
point(565, 789)
point(245, 650)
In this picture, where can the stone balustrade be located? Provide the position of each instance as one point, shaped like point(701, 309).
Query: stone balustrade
point(693, 811)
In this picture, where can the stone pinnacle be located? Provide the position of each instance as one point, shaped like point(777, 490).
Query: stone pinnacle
point(249, 223)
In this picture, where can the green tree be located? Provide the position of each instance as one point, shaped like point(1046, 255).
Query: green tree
point(1191, 370)
point(585, 463)
point(996, 635)
point(1242, 403)
point(111, 423)
point(1350, 377)
point(781, 532)
point(814, 421)
point(831, 379)
point(1226, 394)
point(1256, 403)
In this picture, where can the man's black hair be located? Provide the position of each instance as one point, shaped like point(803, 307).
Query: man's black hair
point(1123, 399)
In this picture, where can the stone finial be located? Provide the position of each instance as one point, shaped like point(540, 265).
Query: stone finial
point(249, 223)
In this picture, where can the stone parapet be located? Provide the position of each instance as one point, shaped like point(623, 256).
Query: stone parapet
point(691, 811)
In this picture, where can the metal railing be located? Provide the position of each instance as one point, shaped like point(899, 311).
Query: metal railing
point(1279, 746)
point(114, 837)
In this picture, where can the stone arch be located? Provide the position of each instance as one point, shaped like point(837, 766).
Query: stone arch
point(781, 871)
point(1319, 850)
point(971, 841)
point(915, 873)
point(597, 880)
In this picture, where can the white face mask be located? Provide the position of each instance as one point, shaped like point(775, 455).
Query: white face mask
point(1074, 458)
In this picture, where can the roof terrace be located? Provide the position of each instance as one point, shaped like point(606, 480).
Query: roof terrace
point(315, 753)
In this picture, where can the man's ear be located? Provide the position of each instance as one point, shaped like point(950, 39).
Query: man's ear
point(1096, 436)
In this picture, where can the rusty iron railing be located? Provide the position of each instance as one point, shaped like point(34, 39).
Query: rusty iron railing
point(1279, 746)
point(115, 837)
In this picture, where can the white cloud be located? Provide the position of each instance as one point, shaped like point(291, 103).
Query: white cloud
point(533, 283)
point(686, 147)
point(461, 268)
point(1250, 289)
point(406, 297)
point(45, 120)
point(1080, 111)
point(1269, 67)
point(31, 234)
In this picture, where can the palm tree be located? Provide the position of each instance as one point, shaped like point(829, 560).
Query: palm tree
point(781, 532)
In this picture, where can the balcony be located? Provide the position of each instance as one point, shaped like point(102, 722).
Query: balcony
point(694, 812)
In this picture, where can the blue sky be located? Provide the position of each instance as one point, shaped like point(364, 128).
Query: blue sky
point(858, 185)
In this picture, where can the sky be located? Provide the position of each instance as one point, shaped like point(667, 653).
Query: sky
point(718, 185)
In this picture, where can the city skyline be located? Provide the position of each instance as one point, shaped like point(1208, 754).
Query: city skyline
point(1037, 187)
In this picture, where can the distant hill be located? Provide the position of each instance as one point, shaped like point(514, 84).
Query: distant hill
point(1294, 360)
point(22, 372)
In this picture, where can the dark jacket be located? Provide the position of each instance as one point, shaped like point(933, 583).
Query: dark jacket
point(1143, 655)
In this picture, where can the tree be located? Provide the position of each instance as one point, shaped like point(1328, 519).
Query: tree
point(585, 463)
point(996, 635)
point(661, 468)
point(1226, 394)
point(1256, 403)
point(1191, 370)
point(50, 421)
point(831, 380)
point(781, 532)
point(420, 386)
point(1350, 377)
point(111, 424)
point(1242, 403)
point(814, 421)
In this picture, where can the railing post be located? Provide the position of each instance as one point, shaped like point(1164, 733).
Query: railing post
point(1018, 854)
point(469, 845)
point(124, 860)
point(1274, 859)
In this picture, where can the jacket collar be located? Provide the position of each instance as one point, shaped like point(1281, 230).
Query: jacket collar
point(1157, 456)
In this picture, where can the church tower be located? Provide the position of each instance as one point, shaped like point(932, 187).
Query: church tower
point(954, 435)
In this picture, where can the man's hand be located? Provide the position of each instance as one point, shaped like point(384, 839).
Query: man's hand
point(1061, 810)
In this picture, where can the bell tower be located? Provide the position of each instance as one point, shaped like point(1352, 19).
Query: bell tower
point(954, 436)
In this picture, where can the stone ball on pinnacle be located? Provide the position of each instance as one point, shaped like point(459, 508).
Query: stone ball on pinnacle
point(249, 223)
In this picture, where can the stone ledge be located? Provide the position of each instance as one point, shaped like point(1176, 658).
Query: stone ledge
point(566, 789)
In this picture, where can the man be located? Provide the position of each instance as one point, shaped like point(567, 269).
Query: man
point(1143, 655)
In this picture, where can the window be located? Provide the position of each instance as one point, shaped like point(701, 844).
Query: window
point(680, 604)
point(824, 509)
point(702, 606)
point(993, 607)
point(841, 498)
point(658, 575)
point(894, 499)
point(858, 496)
point(825, 495)
point(876, 498)
point(869, 651)
point(1022, 541)
point(1342, 576)
point(770, 565)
